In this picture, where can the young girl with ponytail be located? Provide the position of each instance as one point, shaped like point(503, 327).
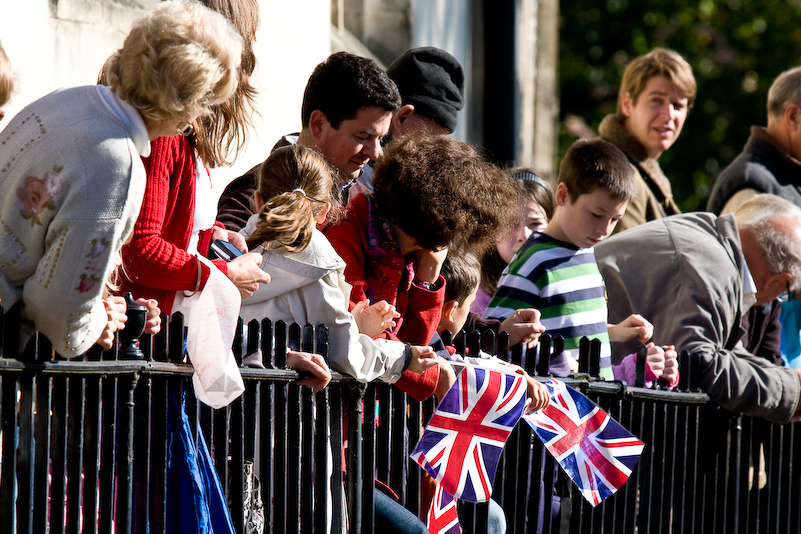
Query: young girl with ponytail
point(295, 192)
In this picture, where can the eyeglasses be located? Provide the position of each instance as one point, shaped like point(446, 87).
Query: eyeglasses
point(185, 129)
point(786, 297)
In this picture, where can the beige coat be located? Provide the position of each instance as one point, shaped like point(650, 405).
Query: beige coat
point(655, 197)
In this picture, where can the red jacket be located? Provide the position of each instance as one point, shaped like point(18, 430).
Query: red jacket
point(420, 308)
point(155, 261)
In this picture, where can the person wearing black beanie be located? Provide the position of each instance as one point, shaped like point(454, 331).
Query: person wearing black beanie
point(431, 84)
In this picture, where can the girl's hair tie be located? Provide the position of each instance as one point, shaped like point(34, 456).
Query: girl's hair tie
point(301, 191)
point(530, 176)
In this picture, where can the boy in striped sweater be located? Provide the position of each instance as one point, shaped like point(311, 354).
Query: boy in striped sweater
point(555, 270)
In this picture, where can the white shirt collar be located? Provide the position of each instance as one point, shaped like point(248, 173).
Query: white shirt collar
point(130, 116)
point(749, 288)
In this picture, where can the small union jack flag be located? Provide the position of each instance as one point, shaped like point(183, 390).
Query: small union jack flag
point(442, 515)
point(594, 450)
point(461, 445)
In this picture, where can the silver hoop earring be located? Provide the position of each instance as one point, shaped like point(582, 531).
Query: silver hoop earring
point(185, 129)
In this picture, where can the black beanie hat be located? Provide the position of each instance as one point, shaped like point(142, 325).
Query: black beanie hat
point(432, 81)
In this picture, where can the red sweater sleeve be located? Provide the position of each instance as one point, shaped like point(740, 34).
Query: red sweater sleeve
point(204, 243)
point(423, 313)
point(156, 258)
point(420, 321)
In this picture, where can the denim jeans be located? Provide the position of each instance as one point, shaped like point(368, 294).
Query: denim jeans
point(392, 518)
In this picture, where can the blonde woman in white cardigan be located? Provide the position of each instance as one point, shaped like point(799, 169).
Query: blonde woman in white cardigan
point(71, 175)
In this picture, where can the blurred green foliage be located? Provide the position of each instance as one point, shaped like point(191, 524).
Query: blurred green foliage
point(735, 47)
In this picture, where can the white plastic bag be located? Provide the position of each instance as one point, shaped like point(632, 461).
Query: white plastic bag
point(210, 316)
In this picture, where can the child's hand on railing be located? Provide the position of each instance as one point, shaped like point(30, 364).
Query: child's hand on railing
point(372, 320)
point(671, 372)
point(309, 363)
point(538, 397)
point(633, 326)
point(423, 358)
point(663, 363)
point(115, 320)
point(447, 378)
point(523, 327)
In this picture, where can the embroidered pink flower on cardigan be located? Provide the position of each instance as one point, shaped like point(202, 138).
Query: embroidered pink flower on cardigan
point(87, 283)
point(35, 198)
point(37, 194)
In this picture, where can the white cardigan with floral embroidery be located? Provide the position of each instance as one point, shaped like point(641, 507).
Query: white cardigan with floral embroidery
point(71, 185)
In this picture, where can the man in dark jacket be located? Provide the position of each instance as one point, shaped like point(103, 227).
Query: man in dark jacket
point(771, 159)
point(347, 107)
point(769, 163)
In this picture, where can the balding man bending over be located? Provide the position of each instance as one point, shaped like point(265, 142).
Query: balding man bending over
point(694, 276)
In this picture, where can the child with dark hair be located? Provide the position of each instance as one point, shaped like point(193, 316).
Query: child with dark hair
point(462, 274)
point(537, 210)
point(431, 194)
point(555, 271)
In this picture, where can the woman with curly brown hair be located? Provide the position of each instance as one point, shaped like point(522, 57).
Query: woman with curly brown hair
point(433, 196)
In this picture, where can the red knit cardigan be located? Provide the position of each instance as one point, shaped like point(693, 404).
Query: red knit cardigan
point(155, 261)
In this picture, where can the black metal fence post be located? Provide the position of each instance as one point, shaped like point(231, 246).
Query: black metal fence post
point(355, 474)
point(125, 494)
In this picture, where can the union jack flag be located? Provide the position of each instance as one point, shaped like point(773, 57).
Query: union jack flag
point(442, 515)
point(594, 450)
point(461, 445)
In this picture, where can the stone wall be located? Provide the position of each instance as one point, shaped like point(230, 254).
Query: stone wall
point(56, 43)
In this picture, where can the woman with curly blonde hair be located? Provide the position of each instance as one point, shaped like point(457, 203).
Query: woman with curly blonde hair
point(72, 177)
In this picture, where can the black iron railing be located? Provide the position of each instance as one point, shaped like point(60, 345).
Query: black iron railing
point(85, 447)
